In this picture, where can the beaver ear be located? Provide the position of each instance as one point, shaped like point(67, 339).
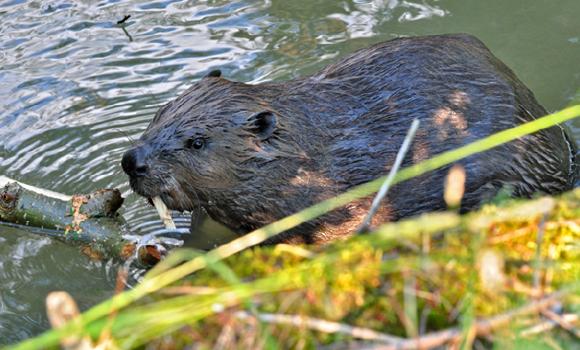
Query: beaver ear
point(214, 74)
point(263, 124)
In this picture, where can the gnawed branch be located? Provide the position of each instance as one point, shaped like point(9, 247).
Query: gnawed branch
point(89, 221)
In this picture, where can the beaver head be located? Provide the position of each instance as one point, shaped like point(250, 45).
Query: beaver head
point(215, 146)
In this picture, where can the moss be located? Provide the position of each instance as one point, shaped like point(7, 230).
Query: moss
point(361, 282)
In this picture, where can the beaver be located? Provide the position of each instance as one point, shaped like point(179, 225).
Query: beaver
point(252, 154)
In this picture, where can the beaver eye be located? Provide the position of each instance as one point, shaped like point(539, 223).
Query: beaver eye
point(195, 143)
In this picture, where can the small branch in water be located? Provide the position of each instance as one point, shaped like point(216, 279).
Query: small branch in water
point(125, 18)
point(387, 184)
point(121, 23)
point(127, 34)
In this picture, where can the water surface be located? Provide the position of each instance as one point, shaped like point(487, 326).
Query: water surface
point(76, 88)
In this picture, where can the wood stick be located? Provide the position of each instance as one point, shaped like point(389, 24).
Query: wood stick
point(61, 309)
point(322, 326)
point(89, 221)
point(550, 324)
point(389, 180)
point(560, 320)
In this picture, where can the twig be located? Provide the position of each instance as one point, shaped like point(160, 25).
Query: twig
point(550, 324)
point(227, 335)
point(127, 33)
point(410, 303)
point(389, 180)
point(561, 321)
point(482, 327)
point(399, 311)
point(431, 340)
point(538, 257)
point(125, 18)
point(323, 326)
point(424, 318)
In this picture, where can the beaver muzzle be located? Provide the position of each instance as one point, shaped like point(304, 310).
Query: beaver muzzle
point(134, 164)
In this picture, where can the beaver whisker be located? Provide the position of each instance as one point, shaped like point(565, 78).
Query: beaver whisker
point(181, 198)
point(197, 212)
point(129, 138)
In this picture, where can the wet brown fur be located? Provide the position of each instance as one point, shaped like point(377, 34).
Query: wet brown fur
point(272, 149)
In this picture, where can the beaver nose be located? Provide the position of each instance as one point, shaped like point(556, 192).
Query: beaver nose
point(134, 163)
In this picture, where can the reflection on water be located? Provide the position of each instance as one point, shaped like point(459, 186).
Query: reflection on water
point(30, 268)
point(76, 89)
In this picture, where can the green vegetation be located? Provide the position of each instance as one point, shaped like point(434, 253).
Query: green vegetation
point(411, 278)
